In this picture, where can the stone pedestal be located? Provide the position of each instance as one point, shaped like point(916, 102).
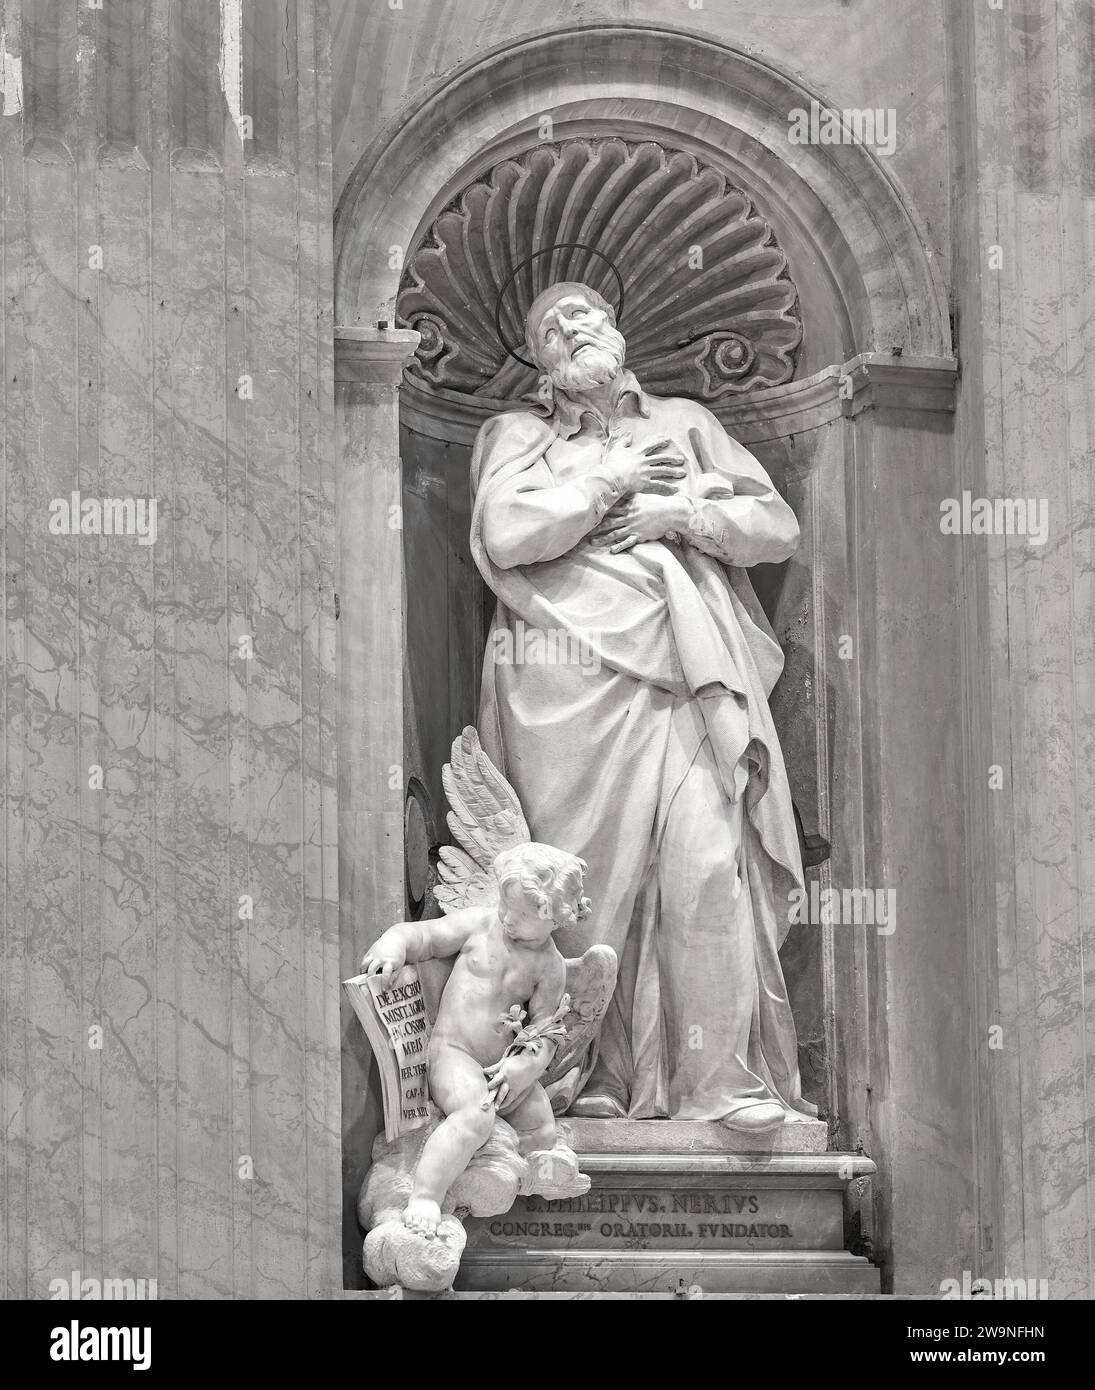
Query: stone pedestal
point(708, 1209)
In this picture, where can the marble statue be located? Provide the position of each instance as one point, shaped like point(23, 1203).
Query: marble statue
point(504, 956)
point(512, 1016)
point(619, 526)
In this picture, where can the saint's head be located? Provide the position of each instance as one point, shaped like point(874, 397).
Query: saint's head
point(571, 334)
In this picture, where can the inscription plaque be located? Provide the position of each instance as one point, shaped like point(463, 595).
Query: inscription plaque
point(731, 1222)
point(624, 1217)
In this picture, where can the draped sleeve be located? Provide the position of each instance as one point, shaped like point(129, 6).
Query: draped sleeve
point(530, 517)
point(737, 515)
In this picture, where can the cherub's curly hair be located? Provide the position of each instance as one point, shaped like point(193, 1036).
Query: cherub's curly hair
point(550, 878)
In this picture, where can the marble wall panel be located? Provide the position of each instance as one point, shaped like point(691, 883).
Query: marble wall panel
point(168, 334)
point(1023, 123)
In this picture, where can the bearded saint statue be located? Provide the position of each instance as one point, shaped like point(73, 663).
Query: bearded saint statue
point(627, 522)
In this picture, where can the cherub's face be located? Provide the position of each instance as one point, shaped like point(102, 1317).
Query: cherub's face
point(521, 920)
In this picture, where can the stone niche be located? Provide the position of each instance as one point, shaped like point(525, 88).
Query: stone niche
point(785, 287)
point(711, 311)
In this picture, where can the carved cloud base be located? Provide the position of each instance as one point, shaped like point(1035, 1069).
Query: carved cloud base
point(495, 1178)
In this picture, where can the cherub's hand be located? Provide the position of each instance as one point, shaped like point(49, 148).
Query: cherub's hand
point(513, 1074)
point(384, 957)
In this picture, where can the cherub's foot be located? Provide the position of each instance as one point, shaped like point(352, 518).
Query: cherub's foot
point(421, 1216)
point(554, 1173)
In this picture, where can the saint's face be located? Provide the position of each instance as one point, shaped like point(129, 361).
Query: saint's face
point(571, 330)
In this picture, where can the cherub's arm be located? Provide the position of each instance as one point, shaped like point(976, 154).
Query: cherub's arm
point(546, 998)
point(516, 1072)
point(415, 941)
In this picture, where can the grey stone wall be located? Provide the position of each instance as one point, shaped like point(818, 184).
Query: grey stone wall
point(1022, 114)
point(189, 360)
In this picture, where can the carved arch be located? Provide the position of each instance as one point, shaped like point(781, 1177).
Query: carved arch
point(727, 107)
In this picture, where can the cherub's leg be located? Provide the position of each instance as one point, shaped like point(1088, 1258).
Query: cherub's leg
point(459, 1088)
point(533, 1120)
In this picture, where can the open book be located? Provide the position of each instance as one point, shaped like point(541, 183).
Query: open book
point(398, 1029)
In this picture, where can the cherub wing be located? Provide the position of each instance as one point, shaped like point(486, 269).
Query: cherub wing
point(485, 819)
point(591, 978)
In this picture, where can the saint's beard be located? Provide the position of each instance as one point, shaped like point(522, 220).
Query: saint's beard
point(597, 365)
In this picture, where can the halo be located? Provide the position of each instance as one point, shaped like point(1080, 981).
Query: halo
point(559, 246)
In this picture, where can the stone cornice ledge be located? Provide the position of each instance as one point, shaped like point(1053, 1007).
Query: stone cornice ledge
point(826, 1170)
point(373, 354)
point(902, 383)
point(871, 379)
point(918, 384)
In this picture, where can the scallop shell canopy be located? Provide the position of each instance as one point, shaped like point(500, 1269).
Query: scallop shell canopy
point(710, 311)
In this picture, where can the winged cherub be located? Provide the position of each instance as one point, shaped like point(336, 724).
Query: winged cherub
point(504, 896)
